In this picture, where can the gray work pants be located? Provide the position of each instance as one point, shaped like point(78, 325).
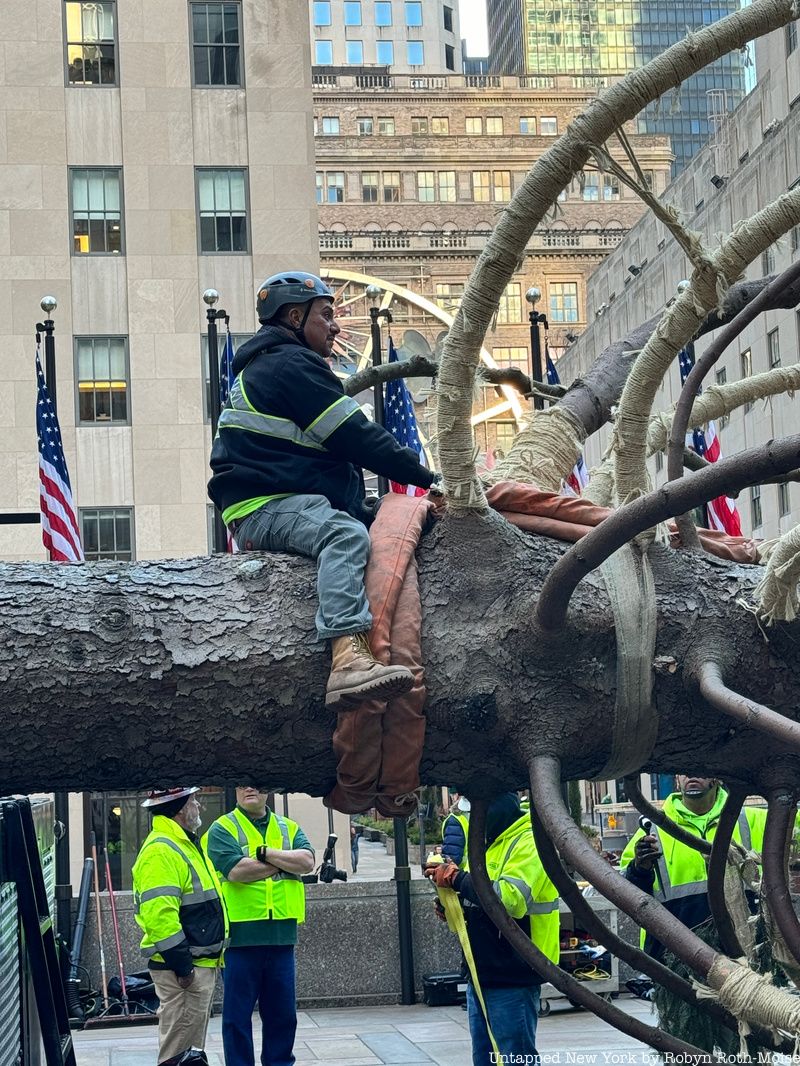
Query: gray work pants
point(308, 525)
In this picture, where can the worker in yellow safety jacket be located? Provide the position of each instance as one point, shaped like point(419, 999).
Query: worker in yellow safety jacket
point(261, 857)
point(510, 988)
point(180, 911)
point(675, 873)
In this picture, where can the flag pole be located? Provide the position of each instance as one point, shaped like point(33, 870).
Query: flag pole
point(60, 799)
point(210, 297)
point(375, 315)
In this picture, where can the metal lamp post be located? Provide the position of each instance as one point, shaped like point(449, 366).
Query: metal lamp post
point(210, 298)
point(402, 871)
point(533, 296)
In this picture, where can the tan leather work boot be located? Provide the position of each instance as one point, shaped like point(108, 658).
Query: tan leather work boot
point(356, 674)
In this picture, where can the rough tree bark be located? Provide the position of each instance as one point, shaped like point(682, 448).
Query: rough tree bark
point(121, 675)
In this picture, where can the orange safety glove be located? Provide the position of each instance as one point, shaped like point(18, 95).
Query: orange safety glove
point(443, 874)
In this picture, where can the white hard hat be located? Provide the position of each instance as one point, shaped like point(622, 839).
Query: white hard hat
point(167, 795)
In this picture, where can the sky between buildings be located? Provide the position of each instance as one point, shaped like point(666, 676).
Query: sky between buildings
point(473, 26)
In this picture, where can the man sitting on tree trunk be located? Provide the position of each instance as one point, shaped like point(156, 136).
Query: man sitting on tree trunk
point(287, 465)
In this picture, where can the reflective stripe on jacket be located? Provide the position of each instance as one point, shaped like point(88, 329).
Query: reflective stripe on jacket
point(281, 896)
point(178, 897)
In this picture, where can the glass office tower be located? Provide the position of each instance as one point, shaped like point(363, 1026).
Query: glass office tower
point(596, 39)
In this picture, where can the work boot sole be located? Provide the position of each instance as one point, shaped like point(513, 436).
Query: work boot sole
point(380, 689)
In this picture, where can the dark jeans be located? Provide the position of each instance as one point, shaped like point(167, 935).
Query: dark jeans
point(513, 1014)
point(262, 975)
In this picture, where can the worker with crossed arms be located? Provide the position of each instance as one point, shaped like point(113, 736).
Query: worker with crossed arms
point(502, 981)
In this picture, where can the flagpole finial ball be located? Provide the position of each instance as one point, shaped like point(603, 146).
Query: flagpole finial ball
point(683, 286)
point(210, 296)
point(48, 304)
point(533, 296)
point(374, 293)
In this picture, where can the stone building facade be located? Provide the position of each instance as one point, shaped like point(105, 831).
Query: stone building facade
point(754, 158)
point(413, 173)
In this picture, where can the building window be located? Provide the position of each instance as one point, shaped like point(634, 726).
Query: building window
point(784, 501)
point(383, 13)
point(511, 357)
point(413, 13)
point(721, 378)
point(481, 186)
point(91, 43)
point(504, 434)
point(474, 126)
point(426, 188)
point(354, 52)
point(449, 57)
point(447, 186)
point(415, 53)
point(322, 13)
point(391, 186)
point(440, 127)
point(510, 307)
point(563, 301)
point(527, 124)
point(222, 202)
point(215, 44)
point(107, 533)
point(320, 186)
point(494, 126)
point(746, 371)
point(330, 125)
point(591, 186)
point(548, 126)
point(352, 12)
point(369, 186)
point(501, 192)
point(365, 127)
point(449, 295)
point(323, 53)
point(610, 187)
point(96, 211)
point(384, 53)
point(101, 377)
point(774, 348)
point(334, 187)
point(448, 18)
point(419, 125)
point(790, 29)
point(756, 519)
point(386, 127)
point(768, 260)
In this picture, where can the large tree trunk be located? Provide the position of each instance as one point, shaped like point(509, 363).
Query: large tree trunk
point(129, 675)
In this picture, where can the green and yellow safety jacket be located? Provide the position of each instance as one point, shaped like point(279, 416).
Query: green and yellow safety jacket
point(529, 896)
point(258, 909)
point(679, 876)
point(289, 429)
point(178, 901)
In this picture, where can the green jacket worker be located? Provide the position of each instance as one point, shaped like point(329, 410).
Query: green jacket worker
point(180, 911)
point(511, 989)
point(261, 858)
point(674, 873)
point(286, 465)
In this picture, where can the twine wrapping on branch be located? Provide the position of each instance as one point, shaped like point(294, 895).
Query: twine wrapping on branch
point(752, 997)
point(776, 594)
point(545, 450)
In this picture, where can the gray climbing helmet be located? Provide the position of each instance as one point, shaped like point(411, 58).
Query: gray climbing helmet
point(291, 287)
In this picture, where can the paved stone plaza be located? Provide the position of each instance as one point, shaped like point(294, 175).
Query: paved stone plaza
point(412, 1036)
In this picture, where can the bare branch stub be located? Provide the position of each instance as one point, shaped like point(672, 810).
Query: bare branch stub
point(781, 812)
point(575, 990)
point(751, 714)
point(656, 815)
point(722, 478)
point(416, 367)
point(716, 872)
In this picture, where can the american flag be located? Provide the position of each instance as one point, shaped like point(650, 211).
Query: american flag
point(60, 531)
point(226, 380)
point(579, 478)
point(722, 513)
point(398, 417)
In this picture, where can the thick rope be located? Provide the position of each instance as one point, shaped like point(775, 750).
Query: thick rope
point(719, 400)
point(776, 595)
point(545, 450)
point(631, 590)
point(752, 997)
